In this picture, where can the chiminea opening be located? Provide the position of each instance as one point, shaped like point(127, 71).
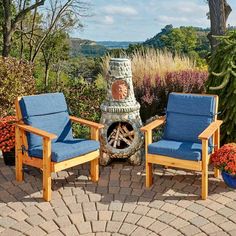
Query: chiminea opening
point(120, 135)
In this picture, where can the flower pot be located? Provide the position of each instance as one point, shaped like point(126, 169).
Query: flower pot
point(9, 157)
point(229, 179)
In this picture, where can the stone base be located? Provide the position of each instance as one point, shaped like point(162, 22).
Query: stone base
point(135, 159)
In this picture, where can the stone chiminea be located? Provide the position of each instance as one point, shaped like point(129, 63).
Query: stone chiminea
point(121, 137)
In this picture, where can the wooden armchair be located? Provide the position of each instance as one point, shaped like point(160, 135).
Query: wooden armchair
point(44, 138)
point(191, 134)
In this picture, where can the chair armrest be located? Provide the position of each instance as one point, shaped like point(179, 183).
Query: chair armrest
point(86, 122)
point(210, 130)
point(36, 131)
point(154, 124)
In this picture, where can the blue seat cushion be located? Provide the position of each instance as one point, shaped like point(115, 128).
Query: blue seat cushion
point(187, 116)
point(67, 149)
point(47, 112)
point(177, 149)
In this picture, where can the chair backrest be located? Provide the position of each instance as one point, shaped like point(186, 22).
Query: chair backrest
point(48, 112)
point(188, 115)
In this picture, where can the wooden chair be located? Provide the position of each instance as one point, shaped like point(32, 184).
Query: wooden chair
point(44, 138)
point(191, 134)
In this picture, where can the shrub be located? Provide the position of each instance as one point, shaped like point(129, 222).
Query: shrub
point(15, 80)
point(153, 96)
point(84, 100)
point(225, 158)
point(222, 81)
point(153, 63)
point(7, 133)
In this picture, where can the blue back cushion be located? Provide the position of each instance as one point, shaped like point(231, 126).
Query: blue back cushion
point(47, 112)
point(188, 115)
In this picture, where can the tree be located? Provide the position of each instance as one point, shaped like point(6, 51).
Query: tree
point(60, 15)
point(55, 49)
point(219, 13)
point(181, 40)
point(11, 20)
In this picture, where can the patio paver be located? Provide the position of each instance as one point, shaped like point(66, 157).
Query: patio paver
point(119, 204)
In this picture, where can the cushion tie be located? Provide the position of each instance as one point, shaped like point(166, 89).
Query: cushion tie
point(25, 117)
point(216, 113)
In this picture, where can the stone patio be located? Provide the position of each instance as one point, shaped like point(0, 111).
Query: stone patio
point(118, 204)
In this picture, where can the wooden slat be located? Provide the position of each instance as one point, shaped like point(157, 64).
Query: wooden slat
point(86, 122)
point(174, 162)
point(154, 124)
point(36, 131)
point(210, 130)
point(75, 161)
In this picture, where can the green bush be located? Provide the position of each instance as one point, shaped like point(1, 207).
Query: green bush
point(84, 100)
point(15, 80)
point(222, 81)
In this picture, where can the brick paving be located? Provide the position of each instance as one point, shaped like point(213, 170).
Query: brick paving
point(119, 204)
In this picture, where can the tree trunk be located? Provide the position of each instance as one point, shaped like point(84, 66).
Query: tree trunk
point(10, 23)
point(219, 12)
point(32, 34)
point(58, 76)
point(6, 26)
point(46, 76)
point(21, 6)
point(6, 44)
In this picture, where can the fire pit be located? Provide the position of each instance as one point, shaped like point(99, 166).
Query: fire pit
point(121, 136)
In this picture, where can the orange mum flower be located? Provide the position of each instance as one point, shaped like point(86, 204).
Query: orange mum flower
point(7, 133)
point(225, 158)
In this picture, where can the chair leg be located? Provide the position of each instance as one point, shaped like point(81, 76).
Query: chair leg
point(19, 168)
point(204, 169)
point(149, 179)
point(216, 172)
point(94, 170)
point(47, 181)
point(47, 186)
point(204, 184)
point(19, 156)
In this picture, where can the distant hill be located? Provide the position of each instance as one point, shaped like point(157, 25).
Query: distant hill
point(116, 44)
point(86, 47)
point(91, 48)
point(156, 41)
point(187, 40)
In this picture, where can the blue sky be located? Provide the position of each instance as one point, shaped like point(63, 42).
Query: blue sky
point(137, 20)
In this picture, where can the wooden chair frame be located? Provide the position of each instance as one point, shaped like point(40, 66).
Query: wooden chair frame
point(213, 130)
point(45, 163)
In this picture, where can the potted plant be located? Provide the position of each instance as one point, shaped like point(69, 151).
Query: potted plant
point(225, 160)
point(7, 139)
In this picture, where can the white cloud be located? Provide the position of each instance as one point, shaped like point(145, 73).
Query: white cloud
point(108, 20)
point(189, 7)
point(121, 10)
point(171, 19)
